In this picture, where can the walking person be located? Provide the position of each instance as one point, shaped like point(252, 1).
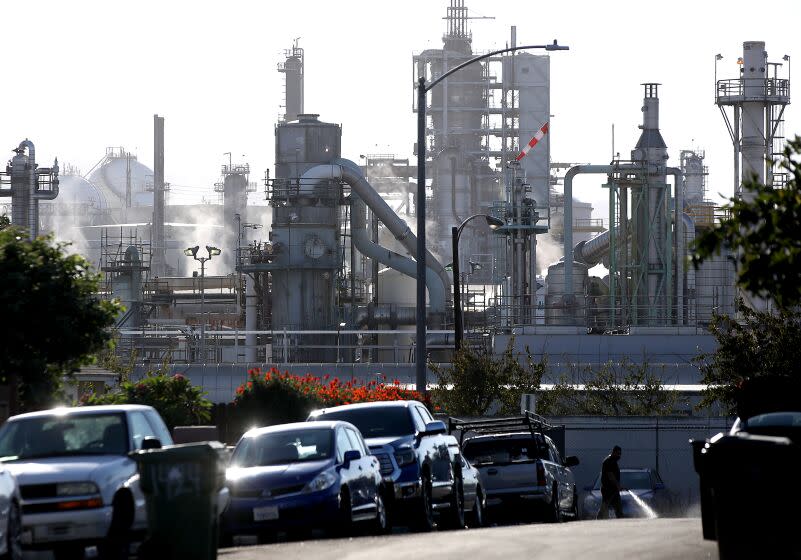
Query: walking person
point(610, 485)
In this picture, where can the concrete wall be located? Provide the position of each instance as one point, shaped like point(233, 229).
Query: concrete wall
point(669, 350)
point(660, 443)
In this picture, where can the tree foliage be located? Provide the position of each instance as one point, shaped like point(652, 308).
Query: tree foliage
point(756, 344)
point(275, 397)
point(177, 401)
point(625, 389)
point(53, 321)
point(764, 235)
point(478, 383)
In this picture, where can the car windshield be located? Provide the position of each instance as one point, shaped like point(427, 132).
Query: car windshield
point(58, 435)
point(507, 450)
point(375, 422)
point(774, 420)
point(630, 480)
point(282, 448)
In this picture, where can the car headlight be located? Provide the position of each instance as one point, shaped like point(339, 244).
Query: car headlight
point(76, 489)
point(322, 481)
point(404, 456)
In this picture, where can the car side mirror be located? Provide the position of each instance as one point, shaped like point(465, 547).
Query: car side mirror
point(436, 427)
point(351, 455)
point(659, 486)
point(151, 442)
point(571, 461)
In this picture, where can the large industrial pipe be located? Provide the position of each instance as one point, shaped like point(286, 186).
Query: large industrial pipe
point(689, 227)
point(568, 225)
point(404, 265)
point(345, 170)
point(680, 242)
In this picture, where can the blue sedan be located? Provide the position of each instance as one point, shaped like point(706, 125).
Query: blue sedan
point(298, 477)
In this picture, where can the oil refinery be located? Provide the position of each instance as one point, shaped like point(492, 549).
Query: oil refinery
point(320, 276)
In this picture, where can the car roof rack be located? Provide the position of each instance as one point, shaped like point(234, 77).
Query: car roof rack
point(530, 421)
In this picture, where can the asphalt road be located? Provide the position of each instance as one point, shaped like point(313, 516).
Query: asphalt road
point(654, 539)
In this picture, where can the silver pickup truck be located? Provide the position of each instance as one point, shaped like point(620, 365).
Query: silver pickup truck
point(520, 468)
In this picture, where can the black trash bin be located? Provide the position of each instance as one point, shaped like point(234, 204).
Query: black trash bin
point(181, 484)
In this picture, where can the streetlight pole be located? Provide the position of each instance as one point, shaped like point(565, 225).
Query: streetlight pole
point(420, 203)
point(192, 252)
point(456, 232)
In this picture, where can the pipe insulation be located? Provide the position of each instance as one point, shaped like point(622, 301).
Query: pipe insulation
point(349, 172)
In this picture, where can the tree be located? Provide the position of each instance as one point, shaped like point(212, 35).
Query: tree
point(53, 321)
point(625, 389)
point(756, 344)
point(764, 234)
point(177, 401)
point(477, 382)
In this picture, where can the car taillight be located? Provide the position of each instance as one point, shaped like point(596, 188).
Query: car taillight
point(540, 474)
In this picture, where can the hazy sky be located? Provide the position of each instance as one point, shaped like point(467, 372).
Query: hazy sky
point(82, 75)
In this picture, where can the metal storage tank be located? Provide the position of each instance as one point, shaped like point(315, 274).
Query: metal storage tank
point(112, 174)
point(555, 288)
point(714, 288)
point(76, 191)
point(305, 233)
point(692, 164)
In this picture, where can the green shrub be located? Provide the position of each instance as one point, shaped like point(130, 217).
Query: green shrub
point(177, 401)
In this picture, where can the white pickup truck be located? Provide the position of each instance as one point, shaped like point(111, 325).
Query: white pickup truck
point(520, 468)
point(78, 485)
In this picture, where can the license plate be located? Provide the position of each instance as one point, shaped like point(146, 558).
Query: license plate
point(267, 513)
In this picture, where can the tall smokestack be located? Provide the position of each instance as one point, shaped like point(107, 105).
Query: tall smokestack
point(292, 68)
point(158, 260)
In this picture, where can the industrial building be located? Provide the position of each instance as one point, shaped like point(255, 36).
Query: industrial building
point(321, 277)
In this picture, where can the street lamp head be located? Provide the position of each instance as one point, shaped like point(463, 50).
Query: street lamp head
point(191, 251)
point(786, 58)
point(493, 222)
point(718, 56)
point(342, 325)
point(213, 251)
point(556, 47)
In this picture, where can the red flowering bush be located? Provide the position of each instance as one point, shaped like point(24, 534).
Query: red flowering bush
point(275, 397)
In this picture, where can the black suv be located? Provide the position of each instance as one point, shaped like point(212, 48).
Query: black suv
point(420, 462)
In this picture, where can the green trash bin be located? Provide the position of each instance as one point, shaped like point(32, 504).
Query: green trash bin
point(181, 484)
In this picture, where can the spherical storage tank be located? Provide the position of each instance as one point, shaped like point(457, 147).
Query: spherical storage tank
point(111, 174)
point(74, 190)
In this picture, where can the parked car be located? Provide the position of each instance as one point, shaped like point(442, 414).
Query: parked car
point(644, 495)
point(520, 470)
point(475, 501)
point(296, 477)
point(420, 462)
point(10, 517)
point(78, 486)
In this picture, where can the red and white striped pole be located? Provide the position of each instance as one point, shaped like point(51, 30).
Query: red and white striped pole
point(537, 137)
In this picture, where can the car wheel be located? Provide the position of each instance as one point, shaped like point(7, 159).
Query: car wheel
point(117, 542)
point(453, 517)
point(554, 513)
point(380, 523)
point(344, 525)
point(574, 512)
point(477, 514)
point(13, 534)
point(226, 539)
point(425, 516)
